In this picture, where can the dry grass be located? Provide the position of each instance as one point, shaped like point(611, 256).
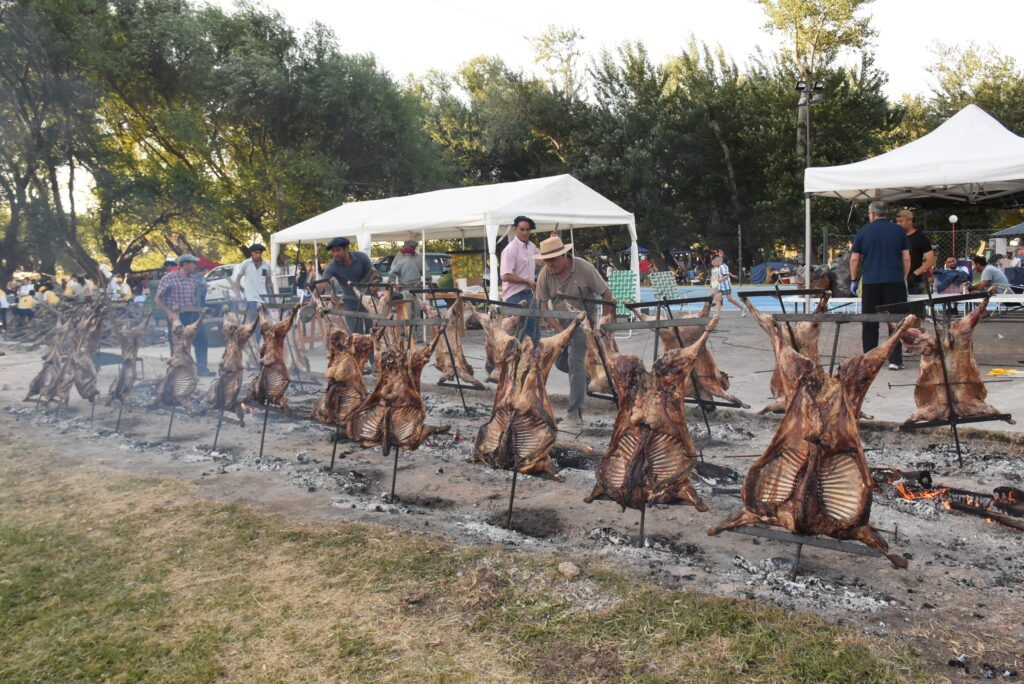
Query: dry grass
point(111, 576)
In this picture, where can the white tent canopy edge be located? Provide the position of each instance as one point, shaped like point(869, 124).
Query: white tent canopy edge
point(560, 202)
point(970, 157)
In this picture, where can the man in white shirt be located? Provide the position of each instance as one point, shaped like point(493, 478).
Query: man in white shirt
point(254, 276)
point(519, 270)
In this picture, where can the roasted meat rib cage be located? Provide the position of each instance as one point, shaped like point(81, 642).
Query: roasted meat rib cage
point(87, 343)
point(813, 477)
point(130, 340)
point(802, 336)
point(449, 358)
point(223, 394)
point(393, 414)
point(44, 385)
point(966, 388)
point(181, 378)
point(271, 383)
point(346, 356)
point(706, 381)
point(651, 454)
point(521, 430)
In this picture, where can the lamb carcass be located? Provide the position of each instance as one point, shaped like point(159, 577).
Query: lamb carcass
point(651, 454)
point(393, 414)
point(969, 391)
point(130, 340)
point(813, 477)
point(592, 360)
point(706, 380)
point(802, 336)
point(454, 362)
point(223, 394)
point(271, 383)
point(181, 379)
point(521, 429)
point(44, 384)
point(87, 347)
point(346, 356)
point(507, 325)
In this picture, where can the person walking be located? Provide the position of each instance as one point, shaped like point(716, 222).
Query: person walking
point(519, 271)
point(178, 290)
point(564, 274)
point(880, 260)
point(922, 256)
point(723, 288)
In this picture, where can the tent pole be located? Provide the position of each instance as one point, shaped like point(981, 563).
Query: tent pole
point(807, 241)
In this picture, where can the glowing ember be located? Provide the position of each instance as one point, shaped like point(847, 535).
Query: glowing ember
point(930, 494)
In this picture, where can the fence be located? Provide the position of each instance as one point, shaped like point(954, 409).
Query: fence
point(961, 243)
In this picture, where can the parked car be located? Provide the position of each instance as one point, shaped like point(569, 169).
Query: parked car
point(437, 263)
point(218, 281)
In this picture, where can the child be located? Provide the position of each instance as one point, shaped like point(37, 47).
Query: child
point(724, 286)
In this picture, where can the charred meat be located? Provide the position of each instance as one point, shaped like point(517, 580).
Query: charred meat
point(813, 477)
point(223, 394)
point(966, 389)
point(453, 362)
point(181, 379)
point(130, 340)
point(651, 454)
point(346, 356)
point(521, 430)
point(270, 385)
point(393, 414)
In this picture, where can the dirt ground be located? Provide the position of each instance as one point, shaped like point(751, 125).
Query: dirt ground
point(962, 596)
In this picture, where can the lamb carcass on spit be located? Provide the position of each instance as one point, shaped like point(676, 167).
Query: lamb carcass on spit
point(85, 351)
point(346, 356)
point(44, 384)
point(813, 477)
point(223, 394)
point(802, 336)
point(393, 414)
point(706, 380)
point(271, 383)
point(130, 340)
point(651, 454)
point(181, 379)
point(969, 391)
point(453, 363)
point(592, 360)
point(521, 429)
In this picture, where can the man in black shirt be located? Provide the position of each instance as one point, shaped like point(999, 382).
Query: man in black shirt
point(922, 256)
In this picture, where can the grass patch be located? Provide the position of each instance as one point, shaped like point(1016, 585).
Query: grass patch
point(108, 576)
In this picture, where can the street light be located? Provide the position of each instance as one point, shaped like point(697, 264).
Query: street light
point(953, 218)
point(810, 95)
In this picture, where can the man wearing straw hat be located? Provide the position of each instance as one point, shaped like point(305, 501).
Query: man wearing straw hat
point(564, 274)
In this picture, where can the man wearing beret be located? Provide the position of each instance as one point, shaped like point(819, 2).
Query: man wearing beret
point(177, 290)
point(253, 277)
point(349, 266)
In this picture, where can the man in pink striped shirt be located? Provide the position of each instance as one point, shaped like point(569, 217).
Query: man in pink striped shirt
point(519, 270)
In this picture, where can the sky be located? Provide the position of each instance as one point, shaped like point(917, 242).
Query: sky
point(413, 36)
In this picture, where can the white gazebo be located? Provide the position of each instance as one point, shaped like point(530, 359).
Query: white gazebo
point(970, 158)
point(560, 202)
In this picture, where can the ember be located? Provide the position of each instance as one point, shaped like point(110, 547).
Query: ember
point(1000, 507)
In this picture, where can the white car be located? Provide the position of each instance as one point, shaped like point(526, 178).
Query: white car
point(218, 284)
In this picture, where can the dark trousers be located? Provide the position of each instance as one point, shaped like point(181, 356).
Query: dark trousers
point(200, 344)
point(532, 324)
point(871, 297)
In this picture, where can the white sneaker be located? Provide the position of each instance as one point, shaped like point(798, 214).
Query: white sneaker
point(744, 313)
point(893, 366)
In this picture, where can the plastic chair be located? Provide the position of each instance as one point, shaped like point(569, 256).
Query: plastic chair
point(623, 287)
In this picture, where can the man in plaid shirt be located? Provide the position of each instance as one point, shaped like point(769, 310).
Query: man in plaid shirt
point(178, 289)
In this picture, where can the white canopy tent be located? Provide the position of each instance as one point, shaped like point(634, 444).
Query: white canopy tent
point(971, 158)
point(479, 211)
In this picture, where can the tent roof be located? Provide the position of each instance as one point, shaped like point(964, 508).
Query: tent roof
point(463, 212)
point(1012, 231)
point(970, 157)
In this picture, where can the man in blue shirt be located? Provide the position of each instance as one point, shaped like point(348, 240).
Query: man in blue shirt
point(350, 267)
point(880, 260)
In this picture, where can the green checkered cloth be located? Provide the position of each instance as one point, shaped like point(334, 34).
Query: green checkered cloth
point(664, 284)
point(623, 287)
